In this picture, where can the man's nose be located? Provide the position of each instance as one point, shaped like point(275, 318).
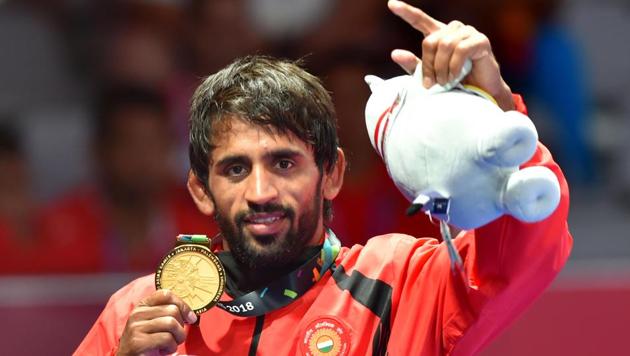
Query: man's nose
point(261, 188)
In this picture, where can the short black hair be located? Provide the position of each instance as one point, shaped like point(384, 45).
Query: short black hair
point(275, 94)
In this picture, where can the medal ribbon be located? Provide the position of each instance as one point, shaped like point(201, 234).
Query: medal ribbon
point(288, 288)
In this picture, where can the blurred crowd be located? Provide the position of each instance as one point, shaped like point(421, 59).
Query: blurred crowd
point(94, 100)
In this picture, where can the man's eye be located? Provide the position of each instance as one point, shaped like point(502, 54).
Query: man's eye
point(235, 171)
point(284, 164)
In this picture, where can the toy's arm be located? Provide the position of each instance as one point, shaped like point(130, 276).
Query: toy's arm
point(519, 105)
point(510, 263)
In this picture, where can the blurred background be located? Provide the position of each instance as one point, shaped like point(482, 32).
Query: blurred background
point(93, 143)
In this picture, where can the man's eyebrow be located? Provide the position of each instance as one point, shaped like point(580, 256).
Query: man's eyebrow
point(231, 159)
point(285, 153)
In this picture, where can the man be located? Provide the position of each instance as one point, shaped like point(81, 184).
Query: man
point(265, 164)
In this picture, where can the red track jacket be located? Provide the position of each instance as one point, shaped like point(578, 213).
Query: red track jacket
point(396, 294)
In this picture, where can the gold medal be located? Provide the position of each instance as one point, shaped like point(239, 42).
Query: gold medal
point(194, 274)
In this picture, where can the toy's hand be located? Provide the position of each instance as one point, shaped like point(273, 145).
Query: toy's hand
point(445, 48)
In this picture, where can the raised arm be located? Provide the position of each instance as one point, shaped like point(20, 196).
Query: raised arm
point(508, 263)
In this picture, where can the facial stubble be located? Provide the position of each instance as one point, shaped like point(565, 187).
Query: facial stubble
point(271, 251)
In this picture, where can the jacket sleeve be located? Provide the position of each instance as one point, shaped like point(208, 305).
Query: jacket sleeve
point(508, 264)
point(103, 337)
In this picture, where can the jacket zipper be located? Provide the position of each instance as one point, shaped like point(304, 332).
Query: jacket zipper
point(260, 320)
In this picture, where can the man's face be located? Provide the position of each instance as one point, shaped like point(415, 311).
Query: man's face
point(266, 190)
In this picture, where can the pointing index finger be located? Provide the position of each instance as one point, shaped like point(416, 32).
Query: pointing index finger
point(417, 18)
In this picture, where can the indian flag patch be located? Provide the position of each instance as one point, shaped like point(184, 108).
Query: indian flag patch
point(326, 336)
point(325, 344)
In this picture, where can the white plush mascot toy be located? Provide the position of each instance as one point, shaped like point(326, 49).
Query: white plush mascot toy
point(455, 154)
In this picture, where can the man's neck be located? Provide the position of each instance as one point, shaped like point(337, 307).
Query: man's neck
point(242, 280)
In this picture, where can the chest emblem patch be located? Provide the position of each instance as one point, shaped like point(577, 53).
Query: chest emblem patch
point(326, 336)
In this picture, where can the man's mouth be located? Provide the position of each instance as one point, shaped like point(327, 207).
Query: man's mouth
point(265, 223)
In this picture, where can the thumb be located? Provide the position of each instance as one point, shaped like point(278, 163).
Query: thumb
point(406, 60)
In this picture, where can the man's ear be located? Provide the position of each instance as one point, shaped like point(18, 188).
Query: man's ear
point(200, 196)
point(333, 180)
